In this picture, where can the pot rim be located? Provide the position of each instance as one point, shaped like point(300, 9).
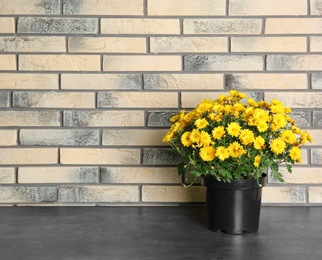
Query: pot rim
point(244, 184)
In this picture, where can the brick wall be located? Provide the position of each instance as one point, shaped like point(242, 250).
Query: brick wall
point(87, 88)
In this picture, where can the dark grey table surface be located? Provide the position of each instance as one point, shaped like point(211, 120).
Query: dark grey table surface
point(154, 233)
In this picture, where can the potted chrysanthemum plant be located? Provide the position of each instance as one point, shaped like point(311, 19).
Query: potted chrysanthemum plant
point(231, 143)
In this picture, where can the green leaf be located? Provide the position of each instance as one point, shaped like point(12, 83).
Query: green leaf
point(181, 168)
point(289, 168)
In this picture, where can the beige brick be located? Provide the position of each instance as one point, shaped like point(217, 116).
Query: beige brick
point(32, 44)
point(183, 81)
point(140, 26)
point(29, 118)
point(99, 156)
point(316, 7)
point(140, 175)
point(188, 44)
point(28, 155)
point(8, 62)
point(268, 44)
point(101, 81)
point(7, 25)
point(107, 44)
point(8, 137)
point(186, 7)
point(294, 62)
point(192, 99)
point(98, 194)
point(151, 193)
point(315, 194)
point(29, 7)
point(266, 81)
point(264, 7)
point(315, 43)
point(142, 63)
point(301, 175)
point(58, 175)
point(59, 62)
point(28, 81)
point(137, 99)
point(138, 137)
point(54, 99)
point(223, 62)
point(103, 118)
point(316, 136)
point(28, 194)
point(293, 25)
point(104, 7)
point(297, 99)
point(222, 26)
point(284, 195)
point(7, 175)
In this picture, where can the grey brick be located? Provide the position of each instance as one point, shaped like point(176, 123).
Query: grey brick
point(58, 175)
point(316, 156)
point(59, 137)
point(21, 194)
point(57, 25)
point(160, 119)
point(4, 99)
point(223, 62)
point(316, 81)
point(49, 6)
point(155, 156)
point(103, 118)
point(317, 118)
point(294, 62)
point(316, 7)
point(88, 193)
point(183, 81)
point(222, 26)
point(302, 118)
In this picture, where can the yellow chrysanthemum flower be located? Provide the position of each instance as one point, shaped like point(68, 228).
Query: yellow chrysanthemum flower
point(236, 150)
point(201, 123)
point(194, 136)
point(233, 129)
point(259, 143)
point(168, 137)
point(257, 161)
point(296, 130)
point(277, 146)
point(222, 153)
point(305, 136)
point(218, 132)
point(295, 153)
point(189, 116)
point(260, 115)
point(207, 153)
point(204, 106)
point(246, 136)
point(262, 126)
point(205, 139)
point(185, 139)
point(288, 136)
point(252, 102)
point(279, 120)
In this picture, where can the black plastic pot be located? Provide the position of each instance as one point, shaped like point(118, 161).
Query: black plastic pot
point(234, 208)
